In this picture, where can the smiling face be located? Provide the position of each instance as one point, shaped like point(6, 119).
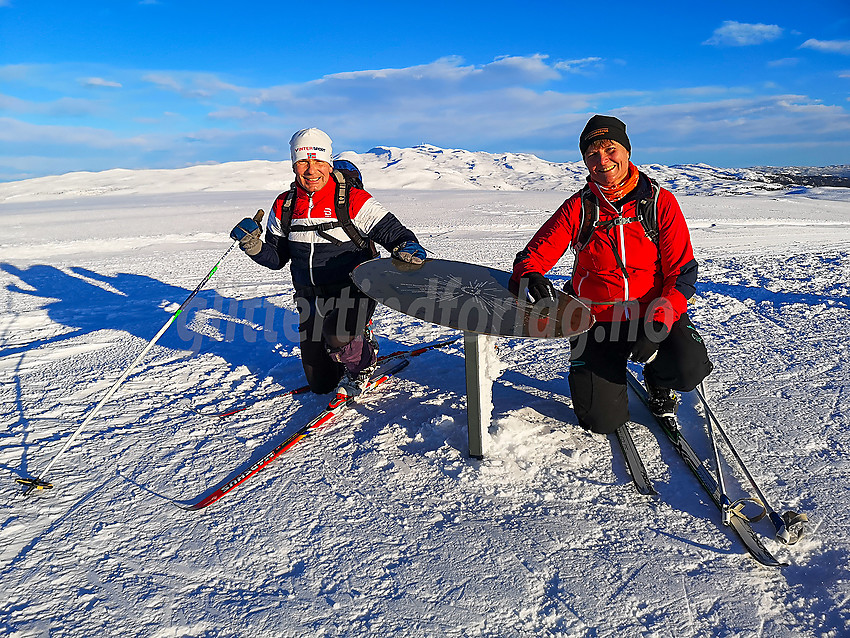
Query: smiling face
point(608, 162)
point(312, 175)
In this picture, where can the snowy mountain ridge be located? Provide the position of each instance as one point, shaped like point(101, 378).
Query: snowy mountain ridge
point(423, 167)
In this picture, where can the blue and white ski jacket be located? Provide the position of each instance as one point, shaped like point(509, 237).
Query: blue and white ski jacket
point(315, 261)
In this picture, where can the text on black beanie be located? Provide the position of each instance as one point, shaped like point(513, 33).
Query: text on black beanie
point(603, 127)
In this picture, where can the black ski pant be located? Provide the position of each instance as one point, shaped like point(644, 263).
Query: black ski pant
point(598, 369)
point(330, 329)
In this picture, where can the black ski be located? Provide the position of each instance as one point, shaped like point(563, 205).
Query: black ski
point(633, 460)
point(741, 525)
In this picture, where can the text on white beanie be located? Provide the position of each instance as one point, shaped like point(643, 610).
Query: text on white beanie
point(311, 143)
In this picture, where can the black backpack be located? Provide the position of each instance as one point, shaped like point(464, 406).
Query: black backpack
point(647, 215)
point(346, 176)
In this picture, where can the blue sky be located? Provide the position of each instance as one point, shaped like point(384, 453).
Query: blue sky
point(170, 83)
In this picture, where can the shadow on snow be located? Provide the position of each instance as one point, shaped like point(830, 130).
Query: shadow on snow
point(242, 332)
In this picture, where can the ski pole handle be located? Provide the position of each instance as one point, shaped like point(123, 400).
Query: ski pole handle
point(247, 232)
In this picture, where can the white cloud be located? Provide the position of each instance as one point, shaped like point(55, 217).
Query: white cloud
point(14, 105)
point(828, 46)
point(740, 34)
point(19, 72)
point(237, 113)
point(440, 81)
point(531, 69)
point(457, 105)
point(702, 91)
point(445, 69)
point(578, 66)
point(760, 119)
point(62, 107)
point(99, 83)
point(188, 84)
point(784, 62)
point(163, 81)
point(512, 103)
point(14, 131)
point(503, 70)
point(165, 117)
point(443, 102)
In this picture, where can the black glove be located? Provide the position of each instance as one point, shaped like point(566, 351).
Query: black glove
point(646, 346)
point(539, 287)
point(247, 233)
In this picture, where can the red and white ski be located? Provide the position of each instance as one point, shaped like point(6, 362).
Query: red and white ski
point(337, 405)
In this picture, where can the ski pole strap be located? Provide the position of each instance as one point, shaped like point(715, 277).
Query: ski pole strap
point(737, 508)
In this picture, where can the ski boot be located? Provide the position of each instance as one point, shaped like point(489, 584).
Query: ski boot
point(663, 402)
point(369, 336)
point(352, 384)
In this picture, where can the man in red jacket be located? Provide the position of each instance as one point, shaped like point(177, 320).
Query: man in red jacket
point(635, 275)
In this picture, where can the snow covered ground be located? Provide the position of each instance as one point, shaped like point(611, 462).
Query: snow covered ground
point(383, 525)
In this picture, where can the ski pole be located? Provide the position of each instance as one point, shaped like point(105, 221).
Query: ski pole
point(31, 483)
point(725, 503)
point(782, 532)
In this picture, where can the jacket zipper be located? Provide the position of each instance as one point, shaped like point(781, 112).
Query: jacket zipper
point(621, 237)
point(312, 239)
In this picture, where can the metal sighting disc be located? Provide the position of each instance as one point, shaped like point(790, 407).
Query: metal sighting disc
point(468, 297)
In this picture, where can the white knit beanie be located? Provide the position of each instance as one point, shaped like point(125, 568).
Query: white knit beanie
point(311, 143)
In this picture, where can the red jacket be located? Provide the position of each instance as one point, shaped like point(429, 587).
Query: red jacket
point(658, 278)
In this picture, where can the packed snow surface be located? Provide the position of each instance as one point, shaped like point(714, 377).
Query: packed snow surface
point(382, 525)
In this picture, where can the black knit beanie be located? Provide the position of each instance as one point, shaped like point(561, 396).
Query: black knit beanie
point(603, 127)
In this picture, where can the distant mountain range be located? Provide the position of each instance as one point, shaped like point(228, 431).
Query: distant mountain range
point(424, 167)
point(838, 176)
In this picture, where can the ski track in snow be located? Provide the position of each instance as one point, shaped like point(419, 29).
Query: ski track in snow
point(382, 525)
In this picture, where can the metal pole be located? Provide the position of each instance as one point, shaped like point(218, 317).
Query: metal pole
point(32, 482)
point(725, 503)
point(782, 533)
point(479, 391)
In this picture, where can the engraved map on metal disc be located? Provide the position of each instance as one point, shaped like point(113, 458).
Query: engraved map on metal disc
point(468, 297)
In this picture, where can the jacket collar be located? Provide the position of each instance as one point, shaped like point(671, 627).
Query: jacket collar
point(643, 190)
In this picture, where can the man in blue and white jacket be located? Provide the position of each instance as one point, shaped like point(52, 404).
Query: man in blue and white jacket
point(337, 347)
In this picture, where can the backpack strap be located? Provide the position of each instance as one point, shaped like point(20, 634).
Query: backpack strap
point(343, 214)
point(589, 221)
point(647, 215)
point(286, 221)
point(648, 212)
point(321, 230)
point(589, 218)
point(286, 211)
